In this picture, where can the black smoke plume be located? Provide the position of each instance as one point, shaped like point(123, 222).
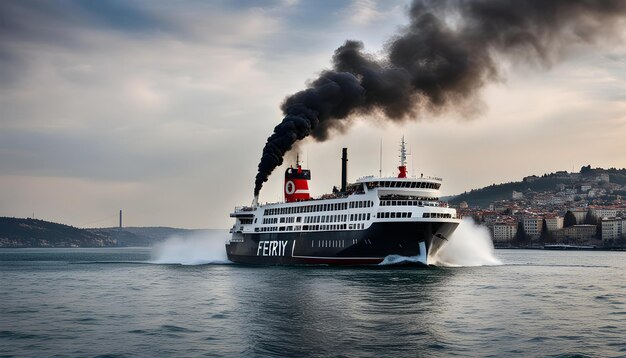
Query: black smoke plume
point(438, 62)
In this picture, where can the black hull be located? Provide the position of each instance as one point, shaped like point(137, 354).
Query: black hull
point(355, 247)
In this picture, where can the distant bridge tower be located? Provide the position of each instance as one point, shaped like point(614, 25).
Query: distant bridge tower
point(120, 218)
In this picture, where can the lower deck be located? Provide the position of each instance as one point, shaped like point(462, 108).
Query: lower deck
point(353, 247)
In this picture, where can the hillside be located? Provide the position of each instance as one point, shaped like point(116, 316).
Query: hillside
point(16, 232)
point(19, 232)
point(545, 183)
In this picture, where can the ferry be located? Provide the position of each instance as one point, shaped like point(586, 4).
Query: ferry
point(375, 220)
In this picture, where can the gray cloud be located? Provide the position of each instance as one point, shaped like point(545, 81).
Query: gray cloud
point(149, 116)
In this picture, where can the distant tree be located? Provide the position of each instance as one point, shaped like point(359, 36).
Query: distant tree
point(546, 236)
point(590, 219)
point(521, 238)
point(569, 219)
point(585, 169)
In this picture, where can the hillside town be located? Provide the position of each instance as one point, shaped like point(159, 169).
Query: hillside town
point(584, 209)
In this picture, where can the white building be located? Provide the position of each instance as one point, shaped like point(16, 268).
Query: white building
point(579, 215)
point(503, 232)
point(602, 177)
point(517, 195)
point(580, 232)
point(532, 226)
point(613, 229)
point(600, 213)
point(554, 223)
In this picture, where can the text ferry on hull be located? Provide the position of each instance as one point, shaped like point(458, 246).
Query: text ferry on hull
point(362, 224)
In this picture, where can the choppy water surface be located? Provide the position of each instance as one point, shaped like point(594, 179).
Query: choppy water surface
point(88, 302)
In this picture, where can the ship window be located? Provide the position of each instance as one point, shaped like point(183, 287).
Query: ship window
point(368, 216)
point(393, 215)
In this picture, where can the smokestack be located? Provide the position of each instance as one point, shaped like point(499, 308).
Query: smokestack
point(449, 51)
point(120, 218)
point(344, 170)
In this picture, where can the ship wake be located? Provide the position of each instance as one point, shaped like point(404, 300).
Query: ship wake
point(470, 245)
point(194, 249)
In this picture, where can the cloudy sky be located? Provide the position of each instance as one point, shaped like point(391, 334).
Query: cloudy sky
point(162, 108)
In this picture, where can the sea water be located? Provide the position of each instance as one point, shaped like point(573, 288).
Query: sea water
point(125, 302)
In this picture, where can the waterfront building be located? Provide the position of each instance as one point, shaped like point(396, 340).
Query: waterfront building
point(554, 223)
point(580, 232)
point(532, 226)
point(580, 215)
point(613, 229)
point(504, 231)
point(600, 213)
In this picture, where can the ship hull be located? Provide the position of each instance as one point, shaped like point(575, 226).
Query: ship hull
point(370, 246)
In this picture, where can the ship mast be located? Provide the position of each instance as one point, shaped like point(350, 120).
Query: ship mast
point(402, 157)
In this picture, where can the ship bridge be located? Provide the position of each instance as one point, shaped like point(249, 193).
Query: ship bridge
point(423, 187)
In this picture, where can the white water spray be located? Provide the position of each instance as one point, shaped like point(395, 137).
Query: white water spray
point(194, 249)
point(470, 245)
